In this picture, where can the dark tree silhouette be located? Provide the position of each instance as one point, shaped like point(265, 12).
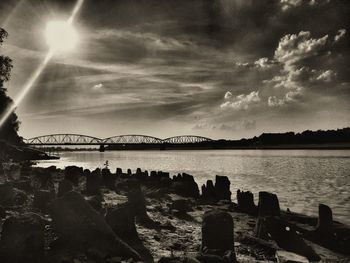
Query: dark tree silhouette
point(8, 131)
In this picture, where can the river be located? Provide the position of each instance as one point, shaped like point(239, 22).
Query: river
point(301, 178)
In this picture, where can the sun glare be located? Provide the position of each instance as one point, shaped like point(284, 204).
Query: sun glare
point(61, 36)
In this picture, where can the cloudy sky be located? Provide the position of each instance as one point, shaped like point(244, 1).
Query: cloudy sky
point(217, 68)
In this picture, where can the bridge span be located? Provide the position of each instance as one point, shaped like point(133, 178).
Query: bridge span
point(130, 139)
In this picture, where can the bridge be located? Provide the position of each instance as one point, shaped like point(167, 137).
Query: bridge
point(131, 139)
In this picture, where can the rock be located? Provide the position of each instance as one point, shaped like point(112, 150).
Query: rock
point(108, 178)
point(285, 237)
point(64, 186)
point(246, 202)
point(121, 220)
point(178, 260)
point(24, 185)
point(325, 220)
point(11, 196)
point(208, 192)
point(333, 236)
point(93, 182)
point(119, 171)
point(268, 205)
point(129, 172)
point(73, 174)
point(289, 257)
point(181, 205)
point(220, 191)
point(22, 239)
point(43, 179)
point(217, 232)
point(42, 198)
point(185, 185)
point(2, 212)
point(222, 188)
point(136, 200)
point(7, 194)
point(95, 201)
point(80, 226)
point(211, 258)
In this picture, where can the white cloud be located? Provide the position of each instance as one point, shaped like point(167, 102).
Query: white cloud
point(242, 102)
point(288, 4)
point(340, 35)
point(263, 63)
point(289, 97)
point(228, 95)
point(273, 101)
point(241, 125)
point(295, 47)
point(327, 76)
point(97, 86)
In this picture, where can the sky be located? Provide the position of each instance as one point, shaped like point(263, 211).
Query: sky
point(216, 68)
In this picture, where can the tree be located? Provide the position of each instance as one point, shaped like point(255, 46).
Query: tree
point(8, 131)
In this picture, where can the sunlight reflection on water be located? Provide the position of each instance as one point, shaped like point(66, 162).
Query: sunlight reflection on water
point(301, 178)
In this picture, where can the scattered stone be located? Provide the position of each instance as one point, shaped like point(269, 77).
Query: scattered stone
point(222, 188)
point(22, 239)
point(185, 185)
point(268, 205)
point(95, 201)
point(283, 256)
point(73, 174)
point(2, 212)
point(119, 171)
point(136, 200)
point(181, 205)
point(93, 182)
point(7, 194)
point(325, 220)
point(246, 202)
point(208, 192)
point(220, 191)
point(11, 196)
point(217, 232)
point(42, 198)
point(285, 237)
point(122, 221)
point(108, 178)
point(64, 186)
point(330, 234)
point(79, 225)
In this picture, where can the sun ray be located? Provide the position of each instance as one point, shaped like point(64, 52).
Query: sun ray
point(33, 78)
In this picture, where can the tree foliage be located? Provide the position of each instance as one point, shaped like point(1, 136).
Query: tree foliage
point(8, 131)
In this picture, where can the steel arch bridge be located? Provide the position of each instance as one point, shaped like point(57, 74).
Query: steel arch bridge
point(132, 139)
point(78, 139)
point(63, 139)
point(184, 139)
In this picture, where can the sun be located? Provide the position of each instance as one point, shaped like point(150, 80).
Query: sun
point(61, 36)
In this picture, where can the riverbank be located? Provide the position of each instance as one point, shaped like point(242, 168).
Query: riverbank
point(153, 216)
point(20, 153)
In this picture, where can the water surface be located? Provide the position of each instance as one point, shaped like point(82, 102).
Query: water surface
point(301, 178)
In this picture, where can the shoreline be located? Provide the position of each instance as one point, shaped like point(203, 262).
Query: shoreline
point(172, 207)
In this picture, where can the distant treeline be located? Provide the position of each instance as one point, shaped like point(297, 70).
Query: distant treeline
point(320, 137)
point(331, 139)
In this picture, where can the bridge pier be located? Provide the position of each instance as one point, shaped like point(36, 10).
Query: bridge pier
point(102, 148)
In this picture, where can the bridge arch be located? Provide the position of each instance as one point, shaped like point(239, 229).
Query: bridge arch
point(186, 139)
point(132, 139)
point(60, 139)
